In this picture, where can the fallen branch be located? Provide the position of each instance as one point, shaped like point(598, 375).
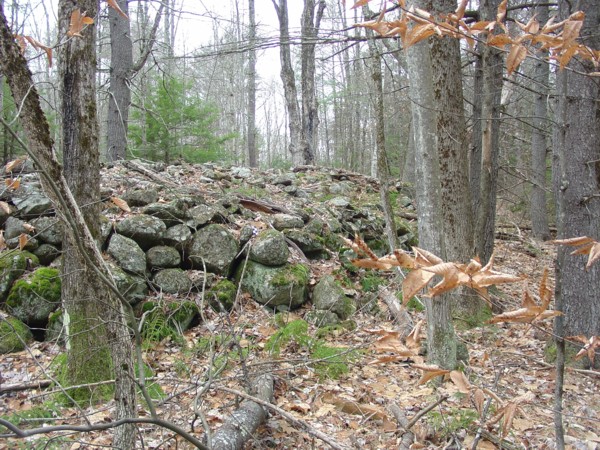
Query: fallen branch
point(408, 436)
point(244, 421)
point(19, 433)
point(24, 386)
point(293, 420)
point(398, 312)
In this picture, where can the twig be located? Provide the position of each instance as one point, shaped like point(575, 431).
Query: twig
point(19, 433)
point(297, 422)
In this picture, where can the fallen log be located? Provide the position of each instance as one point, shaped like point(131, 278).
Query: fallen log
point(244, 421)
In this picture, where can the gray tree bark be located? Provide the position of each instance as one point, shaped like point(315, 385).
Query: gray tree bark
point(539, 147)
point(81, 57)
point(441, 340)
point(119, 94)
point(383, 170)
point(577, 179)
point(252, 152)
point(492, 66)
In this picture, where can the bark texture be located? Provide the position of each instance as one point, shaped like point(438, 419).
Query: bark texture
point(40, 149)
point(577, 179)
point(441, 340)
point(539, 147)
point(119, 94)
point(252, 153)
point(492, 66)
point(243, 423)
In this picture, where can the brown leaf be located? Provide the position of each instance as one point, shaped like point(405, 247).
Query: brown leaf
point(2, 241)
point(460, 11)
point(499, 40)
point(113, 4)
point(515, 57)
point(360, 3)
point(23, 239)
point(479, 400)
point(38, 45)
point(501, 11)
point(78, 21)
point(429, 372)
point(5, 207)
point(460, 380)
point(414, 282)
point(14, 164)
point(12, 184)
point(121, 204)
point(589, 349)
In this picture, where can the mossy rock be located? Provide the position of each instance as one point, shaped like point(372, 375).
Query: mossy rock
point(275, 286)
point(222, 295)
point(167, 319)
point(33, 298)
point(55, 330)
point(14, 335)
point(13, 264)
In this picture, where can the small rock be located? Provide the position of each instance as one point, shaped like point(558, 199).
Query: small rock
point(284, 221)
point(172, 281)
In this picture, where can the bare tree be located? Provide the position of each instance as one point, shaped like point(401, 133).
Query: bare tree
point(252, 153)
point(441, 340)
point(539, 148)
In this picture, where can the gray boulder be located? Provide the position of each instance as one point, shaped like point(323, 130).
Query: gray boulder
point(307, 242)
point(33, 298)
point(14, 227)
point(172, 281)
point(29, 245)
point(203, 214)
point(163, 257)
point(48, 230)
point(284, 221)
point(133, 287)
point(14, 335)
point(274, 286)
point(269, 248)
point(128, 254)
point(171, 213)
point(46, 253)
point(30, 201)
point(140, 197)
point(216, 246)
point(321, 318)
point(146, 230)
point(177, 236)
point(328, 295)
point(13, 264)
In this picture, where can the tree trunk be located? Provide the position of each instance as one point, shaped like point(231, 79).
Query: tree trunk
point(383, 170)
point(577, 179)
point(538, 209)
point(40, 149)
point(252, 153)
point(441, 340)
point(289, 83)
point(492, 66)
point(311, 21)
point(119, 94)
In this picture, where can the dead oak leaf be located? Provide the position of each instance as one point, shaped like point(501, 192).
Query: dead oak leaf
point(508, 412)
point(589, 348)
point(586, 246)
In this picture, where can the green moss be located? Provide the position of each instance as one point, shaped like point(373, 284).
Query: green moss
point(34, 417)
point(371, 282)
point(294, 331)
point(166, 320)
point(297, 274)
point(332, 362)
point(93, 372)
point(222, 294)
point(452, 421)
point(14, 335)
point(413, 304)
point(337, 329)
point(44, 282)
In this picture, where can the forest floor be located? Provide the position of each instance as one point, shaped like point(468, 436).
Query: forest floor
point(506, 360)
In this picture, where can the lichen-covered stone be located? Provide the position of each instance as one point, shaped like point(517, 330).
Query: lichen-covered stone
point(14, 335)
point(321, 318)
point(274, 286)
point(177, 236)
point(203, 214)
point(13, 264)
point(172, 281)
point(307, 242)
point(128, 254)
point(215, 246)
point(46, 253)
point(284, 221)
point(146, 230)
point(133, 287)
point(163, 257)
point(33, 298)
point(48, 230)
point(140, 197)
point(328, 295)
point(171, 213)
point(269, 248)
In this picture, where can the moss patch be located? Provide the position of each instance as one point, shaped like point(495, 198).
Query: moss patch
point(222, 294)
point(14, 335)
point(32, 299)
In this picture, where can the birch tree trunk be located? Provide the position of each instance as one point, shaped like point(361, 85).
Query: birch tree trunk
point(441, 340)
point(115, 335)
